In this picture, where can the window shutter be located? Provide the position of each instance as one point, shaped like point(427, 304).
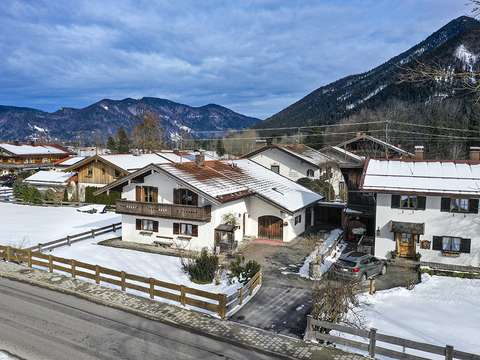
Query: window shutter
point(445, 207)
point(395, 201)
point(155, 226)
point(437, 243)
point(195, 230)
point(176, 228)
point(473, 206)
point(176, 196)
point(465, 246)
point(138, 224)
point(421, 202)
point(138, 193)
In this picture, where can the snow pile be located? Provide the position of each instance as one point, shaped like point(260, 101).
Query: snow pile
point(25, 225)
point(439, 311)
point(369, 96)
point(466, 57)
point(324, 248)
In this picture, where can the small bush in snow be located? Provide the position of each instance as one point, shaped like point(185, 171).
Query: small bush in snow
point(242, 271)
point(201, 268)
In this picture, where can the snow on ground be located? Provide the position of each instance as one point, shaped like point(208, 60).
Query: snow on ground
point(6, 356)
point(440, 311)
point(329, 260)
point(160, 267)
point(25, 225)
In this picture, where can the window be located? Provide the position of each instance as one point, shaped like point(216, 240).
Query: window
point(146, 194)
point(451, 244)
point(117, 174)
point(185, 229)
point(310, 173)
point(90, 170)
point(459, 205)
point(103, 171)
point(275, 168)
point(185, 197)
point(298, 219)
point(408, 202)
point(147, 225)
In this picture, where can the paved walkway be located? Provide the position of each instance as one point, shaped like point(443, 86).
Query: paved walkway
point(228, 331)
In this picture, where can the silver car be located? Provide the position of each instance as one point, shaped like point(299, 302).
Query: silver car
point(359, 266)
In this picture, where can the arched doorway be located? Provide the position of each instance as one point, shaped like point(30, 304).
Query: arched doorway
point(270, 227)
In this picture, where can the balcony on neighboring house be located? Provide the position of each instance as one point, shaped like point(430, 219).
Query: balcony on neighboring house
point(168, 211)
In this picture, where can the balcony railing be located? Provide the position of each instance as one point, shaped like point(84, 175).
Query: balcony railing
point(168, 211)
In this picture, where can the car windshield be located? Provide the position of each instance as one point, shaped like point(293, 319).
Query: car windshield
point(346, 263)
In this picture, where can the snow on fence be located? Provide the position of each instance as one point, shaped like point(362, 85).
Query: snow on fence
point(314, 327)
point(220, 304)
point(70, 239)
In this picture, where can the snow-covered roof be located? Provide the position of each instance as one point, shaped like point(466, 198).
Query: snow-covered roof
point(226, 180)
point(32, 149)
point(50, 177)
point(428, 177)
point(70, 161)
point(385, 144)
point(343, 157)
point(300, 151)
point(131, 162)
point(182, 156)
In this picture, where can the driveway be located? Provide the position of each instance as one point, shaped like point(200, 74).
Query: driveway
point(285, 298)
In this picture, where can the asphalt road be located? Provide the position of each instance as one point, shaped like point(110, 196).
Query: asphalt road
point(37, 324)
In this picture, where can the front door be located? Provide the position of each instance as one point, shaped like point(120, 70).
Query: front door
point(405, 244)
point(270, 227)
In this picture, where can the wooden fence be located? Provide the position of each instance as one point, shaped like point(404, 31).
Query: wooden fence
point(70, 239)
point(217, 303)
point(244, 293)
point(315, 331)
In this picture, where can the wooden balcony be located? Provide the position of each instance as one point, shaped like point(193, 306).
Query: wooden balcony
point(167, 211)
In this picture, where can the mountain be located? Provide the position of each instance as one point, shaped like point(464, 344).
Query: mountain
point(104, 117)
point(455, 47)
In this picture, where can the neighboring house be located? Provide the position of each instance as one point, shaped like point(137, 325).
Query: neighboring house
point(426, 207)
point(56, 181)
point(68, 162)
point(99, 170)
point(211, 204)
point(298, 161)
point(17, 157)
point(368, 146)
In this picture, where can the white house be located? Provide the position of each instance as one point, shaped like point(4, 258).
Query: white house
point(298, 161)
point(426, 207)
point(211, 204)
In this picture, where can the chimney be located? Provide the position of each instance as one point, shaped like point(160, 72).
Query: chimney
point(475, 153)
point(200, 158)
point(419, 152)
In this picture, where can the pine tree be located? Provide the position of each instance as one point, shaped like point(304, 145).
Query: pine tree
point(112, 144)
point(123, 142)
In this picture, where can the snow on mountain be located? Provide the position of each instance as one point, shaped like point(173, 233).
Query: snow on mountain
point(466, 57)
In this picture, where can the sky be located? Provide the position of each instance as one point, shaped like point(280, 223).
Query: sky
point(255, 57)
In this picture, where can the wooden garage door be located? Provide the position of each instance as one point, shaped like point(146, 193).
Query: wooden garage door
point(270, 227)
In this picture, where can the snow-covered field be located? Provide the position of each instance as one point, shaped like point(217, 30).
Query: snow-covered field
point(439, 310)
point(25, 225)
point(160, 267)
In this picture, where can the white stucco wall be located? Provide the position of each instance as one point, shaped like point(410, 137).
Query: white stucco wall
point(437, 223)
point(294, 168)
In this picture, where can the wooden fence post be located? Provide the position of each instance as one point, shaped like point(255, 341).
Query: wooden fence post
point(309, 333)
point(182, 295)
point(29, 258)
point(97, 274)
point(93, 233)
point(448, 352)
point(222, 306)
point(152, 287)
point(123, 281)
point(113, 228)
point(50, 263)
point(371, 346)
point(73, 266)
point(39, 247)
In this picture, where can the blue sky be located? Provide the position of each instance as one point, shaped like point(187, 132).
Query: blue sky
point(255, 57)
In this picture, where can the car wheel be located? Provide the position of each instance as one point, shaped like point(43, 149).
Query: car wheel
point(384, 270)
point(364, 277)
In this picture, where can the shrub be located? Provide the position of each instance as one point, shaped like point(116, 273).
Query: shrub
point(243, 271)
point(50, 195)
point(27, 193)
point(201, 268)
point(103, 199)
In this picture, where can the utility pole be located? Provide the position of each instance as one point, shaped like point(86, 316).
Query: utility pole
point(387, 138)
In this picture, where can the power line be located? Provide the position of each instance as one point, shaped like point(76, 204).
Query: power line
point(436, 127)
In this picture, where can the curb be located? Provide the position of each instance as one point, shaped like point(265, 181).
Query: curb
point(151, 317)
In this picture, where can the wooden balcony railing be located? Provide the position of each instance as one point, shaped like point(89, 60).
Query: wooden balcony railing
point(168, 211)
